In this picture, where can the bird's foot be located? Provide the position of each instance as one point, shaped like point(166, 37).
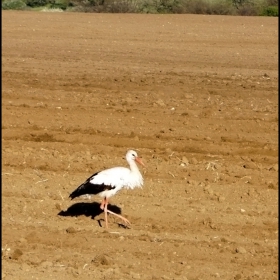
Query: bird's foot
point(126, 221)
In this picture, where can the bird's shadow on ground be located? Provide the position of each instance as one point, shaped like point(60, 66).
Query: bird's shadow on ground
point(88, 209)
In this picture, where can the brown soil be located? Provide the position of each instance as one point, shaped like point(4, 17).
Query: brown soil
point(196, 96)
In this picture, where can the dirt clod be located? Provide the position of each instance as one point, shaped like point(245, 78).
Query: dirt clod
point(71, 230)
point(16, 254)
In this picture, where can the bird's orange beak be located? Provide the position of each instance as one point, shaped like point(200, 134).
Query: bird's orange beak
point(139, 161)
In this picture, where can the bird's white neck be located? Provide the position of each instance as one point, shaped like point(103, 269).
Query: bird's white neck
point(136, 176)
point(133, 166)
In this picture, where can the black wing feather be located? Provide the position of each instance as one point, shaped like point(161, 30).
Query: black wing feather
point(88, 188)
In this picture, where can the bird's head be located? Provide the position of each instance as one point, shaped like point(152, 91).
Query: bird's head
point(132, 155)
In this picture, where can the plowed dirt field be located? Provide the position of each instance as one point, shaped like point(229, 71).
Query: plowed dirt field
point(196, 96)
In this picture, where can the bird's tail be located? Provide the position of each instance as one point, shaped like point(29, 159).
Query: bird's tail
point(79, 191)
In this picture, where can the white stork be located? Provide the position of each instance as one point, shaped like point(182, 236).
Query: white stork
point(108, 182)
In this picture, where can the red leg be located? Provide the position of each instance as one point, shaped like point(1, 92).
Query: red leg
point(113, 213)
point(105, 212)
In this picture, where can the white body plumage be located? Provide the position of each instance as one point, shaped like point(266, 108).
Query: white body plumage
point(118, 178)
point(108, 182)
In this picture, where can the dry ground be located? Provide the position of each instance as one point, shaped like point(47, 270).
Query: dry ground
point(196, 96)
